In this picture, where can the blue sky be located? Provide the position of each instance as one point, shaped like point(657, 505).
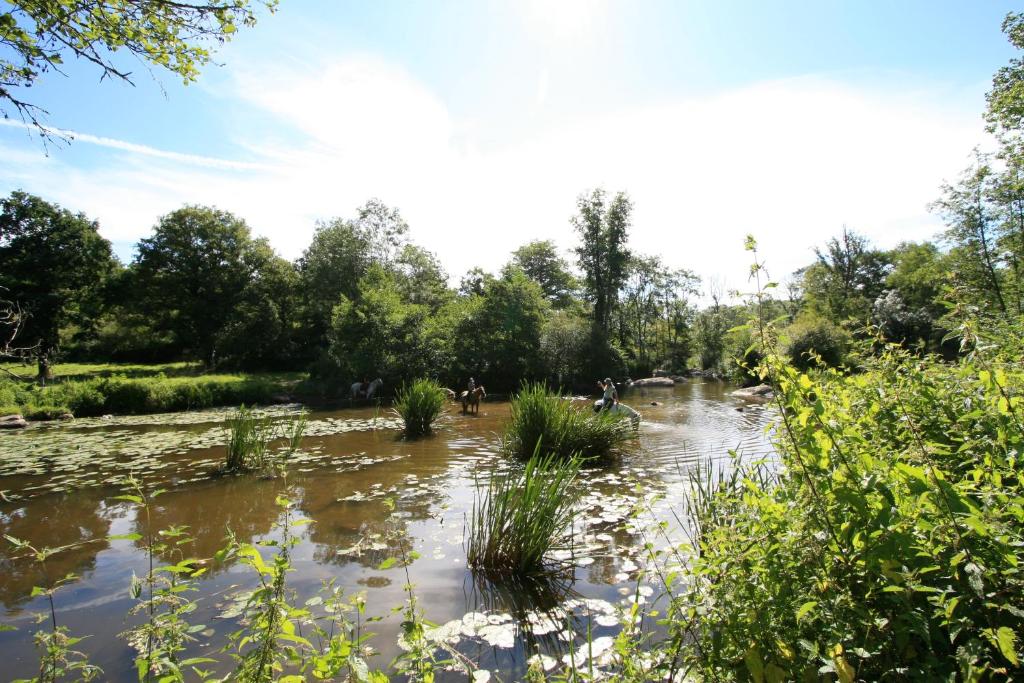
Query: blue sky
point(483, 120)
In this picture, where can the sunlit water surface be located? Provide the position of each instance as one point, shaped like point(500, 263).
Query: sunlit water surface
point(370, 495)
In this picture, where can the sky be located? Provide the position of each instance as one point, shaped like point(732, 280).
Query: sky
point(483, 121)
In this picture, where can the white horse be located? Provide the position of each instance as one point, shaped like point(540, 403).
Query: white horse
point(620, 408)
point(357, 389)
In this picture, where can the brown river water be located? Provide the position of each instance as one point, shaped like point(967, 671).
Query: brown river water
point(369, 494)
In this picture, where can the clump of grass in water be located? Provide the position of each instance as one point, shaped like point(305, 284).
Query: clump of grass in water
point(248, 442)
point(523, 516)
point(419, 404)
point(561, 429)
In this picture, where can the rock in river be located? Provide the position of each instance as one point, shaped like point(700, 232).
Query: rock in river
point(12, 422)
point(761, 391)
point(654, 382)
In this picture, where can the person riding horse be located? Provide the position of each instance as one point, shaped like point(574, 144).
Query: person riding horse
point(611, 396)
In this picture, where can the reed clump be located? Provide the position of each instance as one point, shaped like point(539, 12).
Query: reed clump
point(249, 439)
point(543, 419)
point(523, 516)
point(419, 405)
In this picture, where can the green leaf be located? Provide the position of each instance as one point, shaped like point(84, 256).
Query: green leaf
point(388, 563)
point(124, 537)
point(1006, 640)
point(805, 608)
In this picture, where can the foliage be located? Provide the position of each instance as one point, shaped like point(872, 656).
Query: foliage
point(160, 596)
point(888, 547)
point(814, 342)
point(130, 396)
point(603, 257)
point(52, 265)
point(544, 423)
point(846, 278)
point(419, 404)
point(542, 264)
point(249, 436)
point(654, 317)
point(194, 275)
point(38, 34)
point(497, 341)
point(378, 333)
point(523, 516)
point(56, 659)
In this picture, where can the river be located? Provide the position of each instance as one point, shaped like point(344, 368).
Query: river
point(369, 495)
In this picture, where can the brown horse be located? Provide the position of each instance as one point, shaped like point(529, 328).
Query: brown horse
point(472, 399)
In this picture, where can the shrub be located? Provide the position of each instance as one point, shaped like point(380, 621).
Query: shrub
point(544, 422)
point(815, 343)
point(889, 547)
point(419, 405)
point(44, 412)
point(523, 516)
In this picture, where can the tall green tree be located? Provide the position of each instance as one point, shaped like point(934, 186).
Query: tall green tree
point(603, 257)
point(37, 35)
point(339, 256)
point(499, 343)
point(846, 278)
point(972, 225)
point(53, 264)
point(378, 334)
point(541, 262)
point(194, 271)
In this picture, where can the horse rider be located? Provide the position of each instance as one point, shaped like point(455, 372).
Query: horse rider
point(611, 396)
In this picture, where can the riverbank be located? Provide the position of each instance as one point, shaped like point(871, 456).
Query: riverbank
point(86, 390)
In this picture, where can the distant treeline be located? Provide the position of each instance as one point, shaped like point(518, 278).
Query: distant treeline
point(364, 301)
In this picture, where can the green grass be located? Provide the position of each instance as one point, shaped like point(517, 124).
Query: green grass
point(419, 405)
point(125, 395)
point(542, 419)
point(523, 516)
point(65, 371)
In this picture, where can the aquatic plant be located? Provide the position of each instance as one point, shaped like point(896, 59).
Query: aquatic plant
point(161, 596)
point(249, 437)
point(419, 404)
point(57, 659)
point(268, 641)
point(543, 419)
point(523, 516)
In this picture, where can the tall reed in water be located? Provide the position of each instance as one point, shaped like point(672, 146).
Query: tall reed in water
point(523, 516)
point(419, 404)
point(542, 419)
point(248, 442)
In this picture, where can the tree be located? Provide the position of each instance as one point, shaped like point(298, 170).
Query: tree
point(971, 231)
point(194, 271)
point(377, 334)
point(38, 34)
point(339, 256)
point(498, 344)
point(52, 266)
point(602, 253)
point(421, 277)
point(846, 278)
point(541, 262)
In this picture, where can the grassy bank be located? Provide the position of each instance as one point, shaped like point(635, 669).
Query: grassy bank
point(106, 393)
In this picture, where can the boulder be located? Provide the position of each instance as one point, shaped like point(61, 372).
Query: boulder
point(654, 382)
point(760, 392)
point(65, 416)
point(13, 422)
point(678, 378)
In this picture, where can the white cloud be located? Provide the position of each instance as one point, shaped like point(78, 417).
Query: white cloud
point(790, 161)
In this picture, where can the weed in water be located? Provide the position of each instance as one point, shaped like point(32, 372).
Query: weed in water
point(57, 660)
point(523, 516)
point(419, 404)
point(562, 429)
